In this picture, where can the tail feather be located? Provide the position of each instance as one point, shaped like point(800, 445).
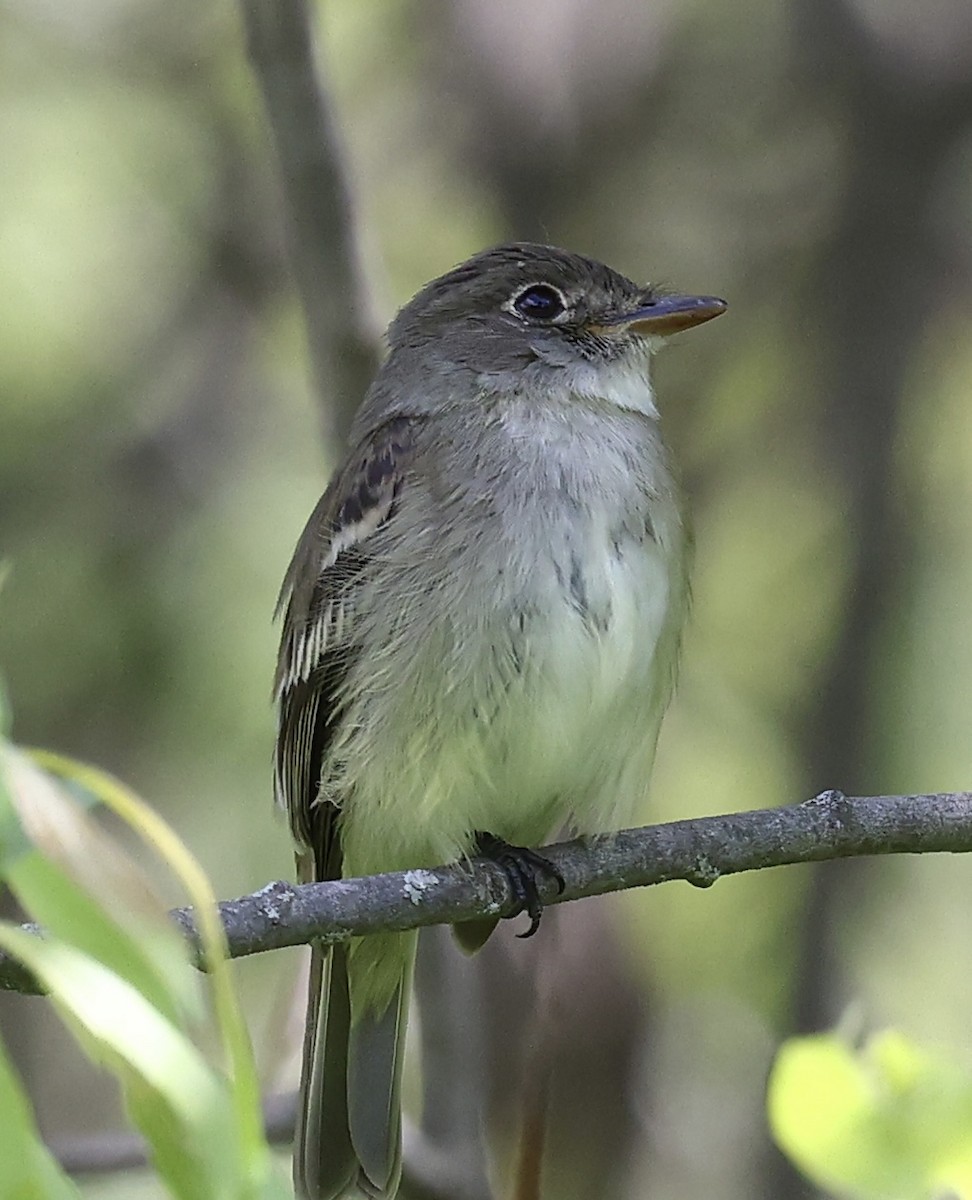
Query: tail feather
point(348, 1138)
point(324, 1159)
point(375, 1061)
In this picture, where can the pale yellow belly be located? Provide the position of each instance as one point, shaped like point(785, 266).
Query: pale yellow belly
point(560, 731)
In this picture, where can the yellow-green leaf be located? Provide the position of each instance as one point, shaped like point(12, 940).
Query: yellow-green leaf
point(189, 1121)
point(888, 1122)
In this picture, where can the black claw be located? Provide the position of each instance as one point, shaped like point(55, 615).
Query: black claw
point(522, 868)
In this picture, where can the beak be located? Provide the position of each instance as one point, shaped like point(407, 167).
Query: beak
point(668, 314)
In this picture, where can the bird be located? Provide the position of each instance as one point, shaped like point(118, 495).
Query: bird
point(480, 633)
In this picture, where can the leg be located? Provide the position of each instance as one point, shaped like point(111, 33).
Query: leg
point(522, 868)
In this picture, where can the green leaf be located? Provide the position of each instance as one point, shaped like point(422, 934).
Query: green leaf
point(178, 1102)
point(241, 1146)
point(235, 1038)
point(888, 1122)
point(84, 889)
point(27, 1170)
point(120, 973)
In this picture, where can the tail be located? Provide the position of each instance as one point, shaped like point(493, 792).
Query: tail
point(348, 1141)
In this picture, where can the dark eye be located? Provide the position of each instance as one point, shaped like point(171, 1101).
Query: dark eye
point(540, 302)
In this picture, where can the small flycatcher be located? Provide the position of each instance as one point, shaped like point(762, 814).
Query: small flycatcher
point(481, 632)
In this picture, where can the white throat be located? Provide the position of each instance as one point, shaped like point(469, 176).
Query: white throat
point(626, 383)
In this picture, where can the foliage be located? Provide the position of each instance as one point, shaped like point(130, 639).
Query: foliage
point(887, 1121)
point(120, 977)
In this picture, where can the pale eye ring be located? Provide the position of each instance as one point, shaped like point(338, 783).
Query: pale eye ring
point(539, 302)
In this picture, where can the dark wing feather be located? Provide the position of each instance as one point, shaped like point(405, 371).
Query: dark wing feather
point(316, 648)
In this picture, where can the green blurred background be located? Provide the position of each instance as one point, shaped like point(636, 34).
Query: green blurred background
point(811, 160)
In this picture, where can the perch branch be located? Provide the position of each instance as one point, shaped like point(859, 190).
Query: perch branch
point(699, 851)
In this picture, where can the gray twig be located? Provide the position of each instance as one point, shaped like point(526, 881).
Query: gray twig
point(123, 1150)
point(119, 1150)
point(699, 851)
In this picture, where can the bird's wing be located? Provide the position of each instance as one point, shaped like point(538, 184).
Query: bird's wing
point(316, 647)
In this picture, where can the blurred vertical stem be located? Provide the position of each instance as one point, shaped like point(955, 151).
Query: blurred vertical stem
point(320, 218)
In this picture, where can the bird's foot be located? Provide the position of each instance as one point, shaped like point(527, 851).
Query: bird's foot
point(522, 868)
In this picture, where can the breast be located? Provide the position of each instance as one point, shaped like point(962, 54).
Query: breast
point(578, 728)
point(533, 664)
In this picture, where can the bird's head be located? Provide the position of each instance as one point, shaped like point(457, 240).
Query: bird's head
point(531, 318)
point(527, 301)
